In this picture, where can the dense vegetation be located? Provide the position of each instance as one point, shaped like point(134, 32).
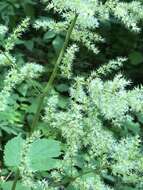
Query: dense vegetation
point(71, 95)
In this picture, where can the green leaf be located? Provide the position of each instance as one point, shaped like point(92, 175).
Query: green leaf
point(23, 88)
point(44, 164)
point(29, 10)
point(47, 147)
point(109, 178)
point(12, 152)
point(126, 188)
point(29, 44)
point(62, 87)
point(8, 186)
point(49, 35)
point(140, 117)
point(58, 43)
point(136, 58)
point(63, 102)
point(71, 187)
point(132, 126)
point(33, 107)
point(42, 157)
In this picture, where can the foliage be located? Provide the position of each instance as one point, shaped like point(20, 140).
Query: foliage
point(82, 130)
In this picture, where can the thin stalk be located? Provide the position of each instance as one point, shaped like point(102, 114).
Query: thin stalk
point(15, 180)
point(53, 75)
point(47, 88)
point(9, 59)
point(72, 179)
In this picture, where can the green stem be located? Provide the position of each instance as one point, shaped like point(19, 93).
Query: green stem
point(72, 179)
point(47, 88)
point(15, 180)
point(53, 75)
point(9, 59)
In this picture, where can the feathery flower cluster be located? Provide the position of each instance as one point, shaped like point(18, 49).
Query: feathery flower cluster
point(91, 182)
point(90, 14)
point(106, 69)
point(113, 101)
point(127, 161)
point(66, 66)
point(45, 23)
point(82, 126)
point(129, 13)
point(15, 77)
point(11, 40)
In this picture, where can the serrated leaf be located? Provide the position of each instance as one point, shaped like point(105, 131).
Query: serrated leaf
point(42, 153)
point(12, 152)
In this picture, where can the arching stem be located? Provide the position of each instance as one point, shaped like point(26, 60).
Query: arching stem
point(53, 75)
